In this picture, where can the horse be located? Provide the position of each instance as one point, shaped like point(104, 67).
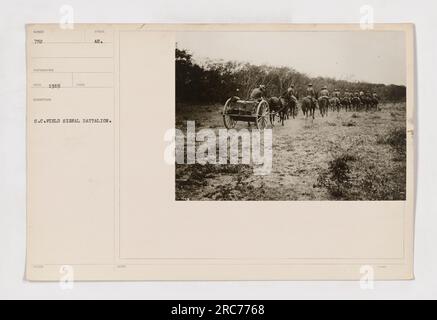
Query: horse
point(324, 106)
point(294, 108)
point(335, 103)
point(374, 103)
point(309, 107)
point(284, 112)
point(290, 107)
point(346, 103)
point(365, 103)
point(277, 106)
point(356, 103)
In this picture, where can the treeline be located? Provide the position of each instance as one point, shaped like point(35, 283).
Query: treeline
point(214, 82)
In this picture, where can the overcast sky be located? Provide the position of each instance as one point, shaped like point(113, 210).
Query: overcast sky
point(376, 57)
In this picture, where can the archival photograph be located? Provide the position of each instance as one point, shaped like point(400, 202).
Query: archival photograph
point(290, 116)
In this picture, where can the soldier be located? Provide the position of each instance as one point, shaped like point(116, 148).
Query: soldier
point(375, 101)
point(362, 94)
point(324, 101)
point(258, 93)
point(290, 94)
point(311, 93)
point(236, 97)
point(289, 100)
point(335, 101)
point(347, 99)
point(324, 92)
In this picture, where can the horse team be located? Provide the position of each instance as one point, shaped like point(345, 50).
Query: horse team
point(287, 104)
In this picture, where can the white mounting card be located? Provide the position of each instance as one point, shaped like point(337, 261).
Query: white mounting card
point(130, 178)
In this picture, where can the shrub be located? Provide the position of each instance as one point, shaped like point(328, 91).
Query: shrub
point(337, 178)
point(396, 138)
point(349, 123)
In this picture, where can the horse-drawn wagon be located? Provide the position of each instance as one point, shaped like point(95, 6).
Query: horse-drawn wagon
point(250, 111)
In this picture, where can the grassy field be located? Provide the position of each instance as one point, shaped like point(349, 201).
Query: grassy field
point(346, 156)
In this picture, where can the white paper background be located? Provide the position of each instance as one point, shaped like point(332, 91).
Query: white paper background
point(13, 16)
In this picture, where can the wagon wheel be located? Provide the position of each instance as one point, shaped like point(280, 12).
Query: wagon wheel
point(227, 119)
point(262, 115)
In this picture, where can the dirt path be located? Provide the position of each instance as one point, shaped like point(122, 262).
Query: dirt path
point(294, 174)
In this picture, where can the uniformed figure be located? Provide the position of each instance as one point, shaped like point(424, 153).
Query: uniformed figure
point(258, 93)
point(324, 92)
point(357, 94)
point(311, 93)
point(348, 94)
point(362, 94)
point(290, 94)
point(237, 93)
point(291, 90)
point(236, 96)
point(375, 95)
point(336, 93)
